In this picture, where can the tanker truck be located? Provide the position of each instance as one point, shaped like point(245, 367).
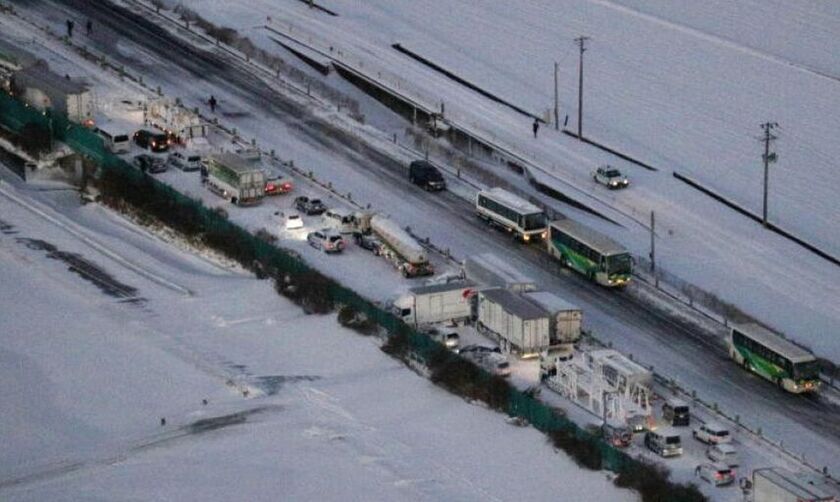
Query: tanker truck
point(395, 244)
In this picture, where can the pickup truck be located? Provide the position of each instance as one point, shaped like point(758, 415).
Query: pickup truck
point(610, 177)
point(309, 206)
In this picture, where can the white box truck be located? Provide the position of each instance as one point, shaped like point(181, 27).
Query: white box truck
point(781, 485)
point(238, 181)
point(565, 318)
point(517, 324)
point(436, 303)
point(492, 271)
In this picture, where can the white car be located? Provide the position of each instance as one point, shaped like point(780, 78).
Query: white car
point(185, 161)
point(717, 474)
point(327, 240)
point(723, 453)
point(294, 222)
point(610, 177)
point(712, 433)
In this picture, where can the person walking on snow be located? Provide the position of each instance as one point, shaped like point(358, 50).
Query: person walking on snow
point(212, 103)
point(536, 127)
point(69, 29)
point(89, 27)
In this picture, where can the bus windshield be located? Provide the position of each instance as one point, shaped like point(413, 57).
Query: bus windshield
point(534, 221)
point(809, 370)
point(619, 264)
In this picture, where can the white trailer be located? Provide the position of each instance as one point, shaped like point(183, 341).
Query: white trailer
point(436, 303)
point(492, 271)
point(235, 179)
point(519, 326)
point(781, 485)
point(565, 320)
point(401, 249)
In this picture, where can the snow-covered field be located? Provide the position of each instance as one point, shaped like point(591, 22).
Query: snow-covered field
point(376, 279)
point(88, 376)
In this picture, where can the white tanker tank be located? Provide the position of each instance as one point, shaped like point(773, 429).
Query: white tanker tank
point(401, 248)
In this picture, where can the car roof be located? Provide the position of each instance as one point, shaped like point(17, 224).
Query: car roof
point(719, 466)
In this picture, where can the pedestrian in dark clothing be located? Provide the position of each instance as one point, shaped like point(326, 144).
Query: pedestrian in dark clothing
point(536, 127)
point(69, 29)
point(162, 422)
point(89, 27)
point(212, 103)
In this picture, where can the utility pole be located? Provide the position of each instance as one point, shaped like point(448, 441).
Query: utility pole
point(652, 243)
point(581, 41)
point(556, 100)
point(768, 157)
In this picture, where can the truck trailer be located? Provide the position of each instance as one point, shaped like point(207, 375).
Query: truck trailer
point(436, 303)
point(519, 325)
point(398, 246)
point(235, 179)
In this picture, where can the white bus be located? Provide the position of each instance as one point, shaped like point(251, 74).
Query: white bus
point(524, 220)
point(771, 356)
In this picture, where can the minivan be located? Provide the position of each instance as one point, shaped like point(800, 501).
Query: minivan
point(115, 142)
point(185, 161)
point(339, 219)
point(425, 175)
point(716, 474)
point(664, 442)
point(676, 412)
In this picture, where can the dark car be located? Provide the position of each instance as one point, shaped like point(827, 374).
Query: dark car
point(309, 206)
point(149, 164)
point(425, 175)
point(368, 241)
point(154, 141)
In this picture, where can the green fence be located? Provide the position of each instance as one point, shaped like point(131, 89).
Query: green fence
point(14, 116)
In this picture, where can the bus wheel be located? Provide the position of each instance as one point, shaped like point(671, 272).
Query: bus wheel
point(746, 365)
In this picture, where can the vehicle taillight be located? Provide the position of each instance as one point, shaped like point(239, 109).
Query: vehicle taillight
point(287, 186)
point(269, 187)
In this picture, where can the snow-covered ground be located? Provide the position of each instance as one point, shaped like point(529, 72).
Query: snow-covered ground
point(372, 277)
point(88, 376)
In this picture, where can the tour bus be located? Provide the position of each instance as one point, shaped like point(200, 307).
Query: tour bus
point(115, 141)
point(499, 207)
point(771, 356)
point(590, 253)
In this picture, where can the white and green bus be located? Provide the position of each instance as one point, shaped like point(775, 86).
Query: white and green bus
point(769, 355)
point(590, 253)
point(499, 207)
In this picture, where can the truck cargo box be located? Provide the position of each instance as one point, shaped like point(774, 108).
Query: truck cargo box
point(566, 318)
point(436, 303)
point(520, 325)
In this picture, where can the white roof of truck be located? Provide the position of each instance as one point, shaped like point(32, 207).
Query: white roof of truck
point(234, 162)
point(550, 301)
point(511, 200)
point(441, 288)
point(514, 304)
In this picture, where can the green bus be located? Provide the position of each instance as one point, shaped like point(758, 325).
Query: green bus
point(771, 356)
point(590, 253)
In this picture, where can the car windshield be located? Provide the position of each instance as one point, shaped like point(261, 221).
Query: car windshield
point(194, 158)
point(120, 138)
point(315, 201)
point(722, 434)
point(503, 365)
point(619, 264)
point(681, 410)
point(534, 221)
point(672, 440)
point(294, 217)
point(613, 173)
point(334, 238)
point(809, 370)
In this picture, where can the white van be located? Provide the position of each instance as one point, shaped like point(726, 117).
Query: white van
point(339, 219)
point(116, 142)
point(185, 160)
point(664, 442)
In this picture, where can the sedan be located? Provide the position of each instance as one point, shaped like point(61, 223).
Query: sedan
point(148, 163)
point(327, 240)
point(611, 177)
point(294, 222)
